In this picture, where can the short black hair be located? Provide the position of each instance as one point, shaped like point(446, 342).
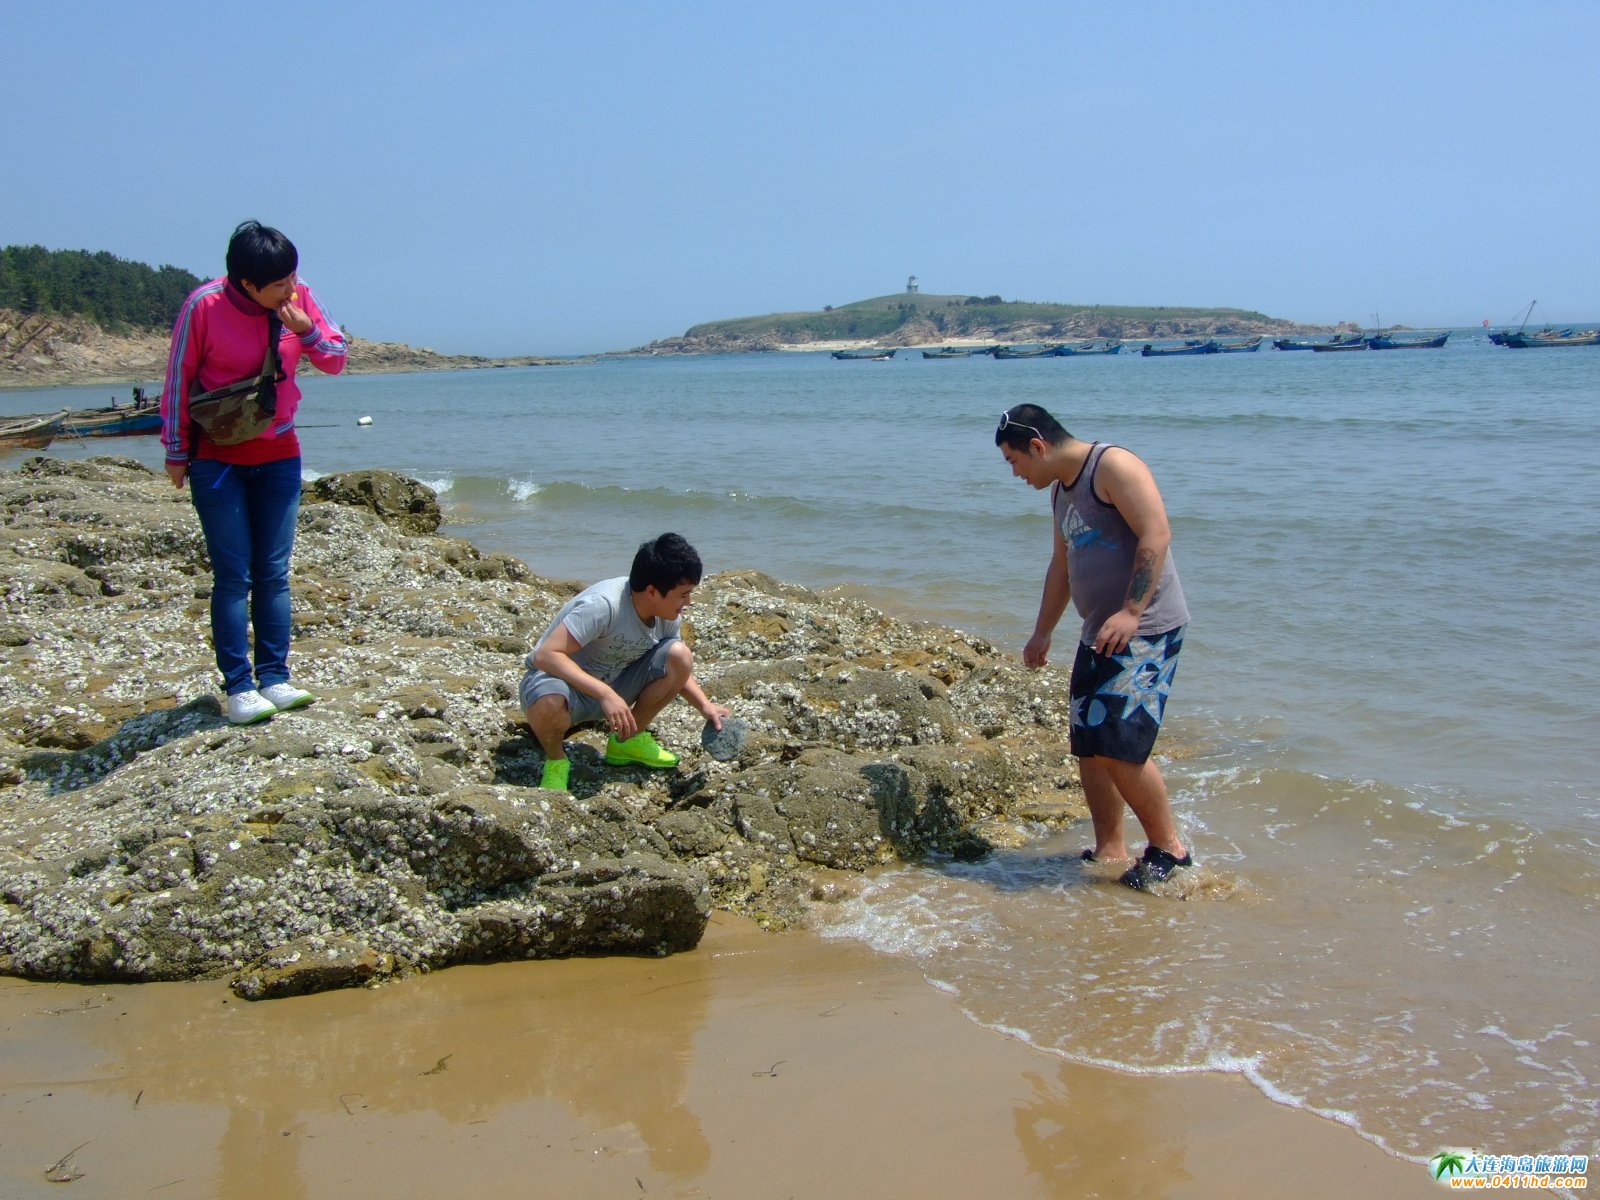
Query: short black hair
point(259, 255)
point(664, 563)
point(1021, 424)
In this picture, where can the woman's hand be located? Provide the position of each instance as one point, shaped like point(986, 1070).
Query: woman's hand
point(294, 317)
point(177, 472)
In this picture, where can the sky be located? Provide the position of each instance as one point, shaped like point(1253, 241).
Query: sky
point(539, 178)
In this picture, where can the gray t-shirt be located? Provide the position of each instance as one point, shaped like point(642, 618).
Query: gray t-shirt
point(1100, 548)
point(602, 620)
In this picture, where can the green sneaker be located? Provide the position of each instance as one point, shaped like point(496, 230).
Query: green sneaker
point(639, 750)
point(555, 774)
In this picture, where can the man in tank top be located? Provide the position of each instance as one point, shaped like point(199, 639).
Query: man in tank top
point(1111, 560)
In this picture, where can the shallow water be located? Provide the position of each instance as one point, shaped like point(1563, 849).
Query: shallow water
point(1380, 730)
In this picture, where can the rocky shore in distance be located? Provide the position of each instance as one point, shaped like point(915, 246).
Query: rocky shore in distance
point(41, 350)
point(923, 331)
point(396, 825)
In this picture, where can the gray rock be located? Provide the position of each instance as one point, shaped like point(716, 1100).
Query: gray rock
point(724, 744)
point(396, 825)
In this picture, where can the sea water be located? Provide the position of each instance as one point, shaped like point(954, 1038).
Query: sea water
point(1379, 742)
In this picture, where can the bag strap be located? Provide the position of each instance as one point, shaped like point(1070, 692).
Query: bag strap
point(270, 365)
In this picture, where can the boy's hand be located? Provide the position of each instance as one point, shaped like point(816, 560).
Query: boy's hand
point(619, 716)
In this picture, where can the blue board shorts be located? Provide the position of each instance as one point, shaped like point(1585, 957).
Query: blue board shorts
point(1118, 700)
point(635, 677)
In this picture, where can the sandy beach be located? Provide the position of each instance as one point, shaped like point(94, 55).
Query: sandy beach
point(755, 1066)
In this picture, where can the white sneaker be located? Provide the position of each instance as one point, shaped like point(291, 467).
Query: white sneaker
point(246, 708)
point(284, 696)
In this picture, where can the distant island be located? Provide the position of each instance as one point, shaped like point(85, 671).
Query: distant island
point(912, 318)
point(82, 317)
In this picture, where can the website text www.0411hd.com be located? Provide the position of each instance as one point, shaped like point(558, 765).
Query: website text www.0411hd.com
point(1532, 1182)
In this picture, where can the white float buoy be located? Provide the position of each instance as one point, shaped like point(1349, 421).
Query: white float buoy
point(363, 420)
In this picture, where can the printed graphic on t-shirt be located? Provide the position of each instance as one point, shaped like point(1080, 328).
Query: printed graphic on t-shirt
point(1079, 534)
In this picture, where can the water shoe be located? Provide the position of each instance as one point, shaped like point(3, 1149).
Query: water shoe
point(1155, 866)
point(639, 750)
point(555, 774)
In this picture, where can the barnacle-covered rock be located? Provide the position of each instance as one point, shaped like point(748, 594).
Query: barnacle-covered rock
point(396, 824)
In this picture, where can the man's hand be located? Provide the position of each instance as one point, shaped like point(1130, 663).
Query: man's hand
point(177, 472)
point(716, 714)
point(1037, 652)
point(1114, 634)
point(619, 716)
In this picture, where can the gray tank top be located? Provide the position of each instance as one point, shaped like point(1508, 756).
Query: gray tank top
point(1100, 548)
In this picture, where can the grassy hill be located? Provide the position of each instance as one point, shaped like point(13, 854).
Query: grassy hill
point(908, 320)
point(113, 292)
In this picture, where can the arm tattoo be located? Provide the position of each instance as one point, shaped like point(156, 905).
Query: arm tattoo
point(1143, 570)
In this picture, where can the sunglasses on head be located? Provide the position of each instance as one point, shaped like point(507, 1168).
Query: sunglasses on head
point(1007, 423)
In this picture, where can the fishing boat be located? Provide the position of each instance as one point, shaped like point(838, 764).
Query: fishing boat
point(1301, 344)
point(1077, 349)
point(1192, 346)
point(865, 354)
point(1359, 343)
point(112, 422)
point(30, 433)
point(1554, 337)
point(1239, 345)
point(1384, 342)
point(947, 352)
point(1024, 351)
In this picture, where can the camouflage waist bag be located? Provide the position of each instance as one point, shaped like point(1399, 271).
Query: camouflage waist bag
point(240, 411)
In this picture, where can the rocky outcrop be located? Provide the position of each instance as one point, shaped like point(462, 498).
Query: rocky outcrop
point(396, 825)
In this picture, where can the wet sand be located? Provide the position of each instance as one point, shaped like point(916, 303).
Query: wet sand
point(756, 1066)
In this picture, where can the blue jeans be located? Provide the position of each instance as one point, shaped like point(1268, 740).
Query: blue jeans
point(248, 516)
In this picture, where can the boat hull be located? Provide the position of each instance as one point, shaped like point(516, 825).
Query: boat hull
point(1069, 351)
point(1385, 343)
point(1175, 351)
point(1534, 341)
point(31, 433)
point(112, 422)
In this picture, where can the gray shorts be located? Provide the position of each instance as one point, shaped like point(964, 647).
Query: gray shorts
point(635, 677)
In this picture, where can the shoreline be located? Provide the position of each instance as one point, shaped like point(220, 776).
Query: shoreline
point(655, 1082)
point(753, 1066)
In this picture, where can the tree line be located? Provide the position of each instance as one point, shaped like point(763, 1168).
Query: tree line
point(108, 290)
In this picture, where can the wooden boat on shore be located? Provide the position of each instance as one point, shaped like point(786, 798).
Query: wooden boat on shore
point(1550, 337)
point(112, 422)
point(1192, 346)
point(1385, 342)
point(1239, 345)
point(1078, 349)
point(1023, 351)
point(866, 354)
point(32, 432)
point(947, 352)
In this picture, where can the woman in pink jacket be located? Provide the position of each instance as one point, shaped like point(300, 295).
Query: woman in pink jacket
point(247, 495)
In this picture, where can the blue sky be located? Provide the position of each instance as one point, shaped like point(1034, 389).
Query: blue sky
point(504, 178)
